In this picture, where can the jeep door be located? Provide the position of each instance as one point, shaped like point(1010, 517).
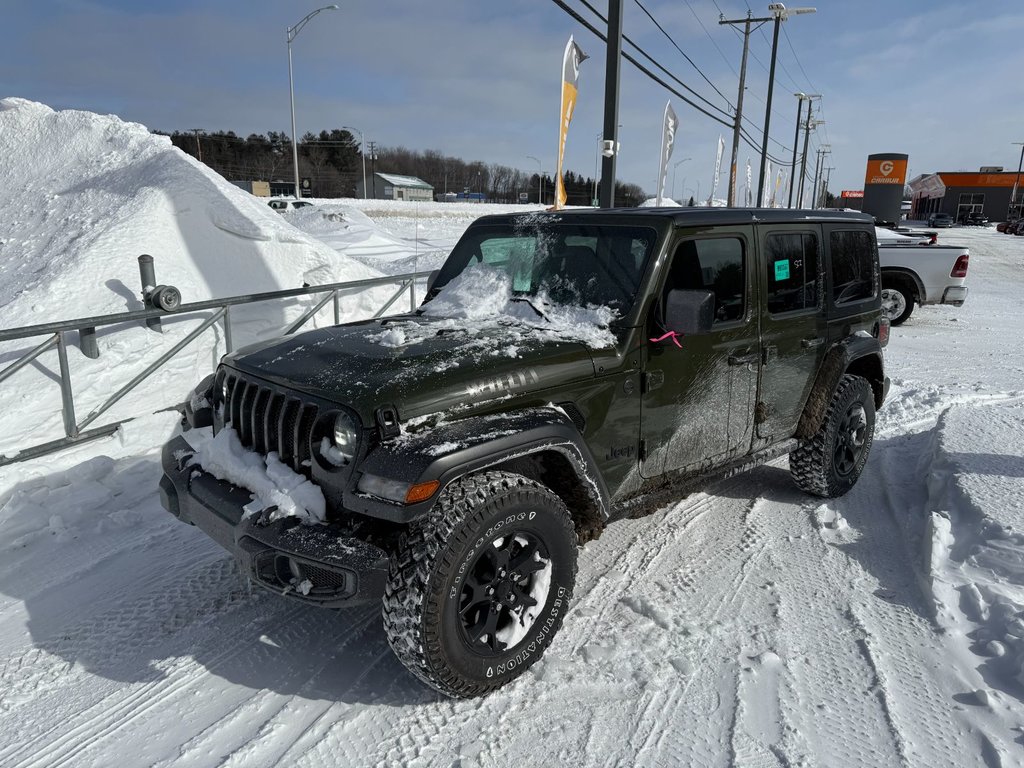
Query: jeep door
point(697, 398)
point(793, 324)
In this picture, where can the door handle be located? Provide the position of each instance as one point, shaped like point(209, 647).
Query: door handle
point(743, 359)
point(811, 342)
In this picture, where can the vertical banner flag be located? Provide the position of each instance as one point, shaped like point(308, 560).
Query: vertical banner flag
point(718, 171)
point(778, 183)
point(767, 184)
point(748, 199)
point(668, 139)
point(571, 61)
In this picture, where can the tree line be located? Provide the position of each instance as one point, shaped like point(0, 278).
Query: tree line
point(333, 161)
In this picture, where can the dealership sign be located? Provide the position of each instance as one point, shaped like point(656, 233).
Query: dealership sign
point(886, 172)
point(852, 193)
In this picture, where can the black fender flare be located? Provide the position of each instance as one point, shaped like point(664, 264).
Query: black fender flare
point(860, 354)
point(453, 449)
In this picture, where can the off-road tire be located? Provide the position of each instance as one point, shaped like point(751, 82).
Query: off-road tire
point(898, 291)
point(429, 571)
point(813, 464)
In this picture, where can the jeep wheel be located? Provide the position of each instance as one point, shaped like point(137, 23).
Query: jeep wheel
point(478, 590)
point(897, 300)
point(829, 463)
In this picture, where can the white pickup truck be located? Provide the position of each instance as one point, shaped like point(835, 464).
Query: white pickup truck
point(917, 271)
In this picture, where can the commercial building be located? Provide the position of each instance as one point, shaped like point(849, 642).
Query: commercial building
point(960, 193)
point(390, 186)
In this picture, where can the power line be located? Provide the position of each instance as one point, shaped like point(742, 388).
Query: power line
point(656, 63)
point(601, 36)
point(671, 40)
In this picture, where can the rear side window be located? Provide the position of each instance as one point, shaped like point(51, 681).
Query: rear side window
point(853, 267)
point(792, 272)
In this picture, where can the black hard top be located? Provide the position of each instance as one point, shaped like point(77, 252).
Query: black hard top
point(689, 217)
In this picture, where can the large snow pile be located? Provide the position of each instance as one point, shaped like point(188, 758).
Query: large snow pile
point(83, 195)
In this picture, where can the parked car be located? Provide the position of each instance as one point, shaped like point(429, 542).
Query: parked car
point(976, 219)
point(940, 220)
point(912, 275)
point(288, 204)
point(1002, 225)
point(457, 486)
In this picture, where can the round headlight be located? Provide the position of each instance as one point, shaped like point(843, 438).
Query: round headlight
point(345, 436)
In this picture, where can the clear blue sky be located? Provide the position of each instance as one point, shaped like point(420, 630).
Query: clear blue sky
point(940, 81)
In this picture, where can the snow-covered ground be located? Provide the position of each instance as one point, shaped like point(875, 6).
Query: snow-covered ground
point(746, 625)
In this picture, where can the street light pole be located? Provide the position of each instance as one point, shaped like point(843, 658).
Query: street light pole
point(781, 13)
point(540, 180)
point(292, 33)
point(1016, 183)
point(674, 168)
point(362, 151)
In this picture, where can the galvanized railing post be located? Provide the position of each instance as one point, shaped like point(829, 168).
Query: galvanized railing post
point(148, 274)
point(337, 309)
point(228, 344)
point(67, 397)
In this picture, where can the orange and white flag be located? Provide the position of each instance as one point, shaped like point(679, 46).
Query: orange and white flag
point(571, 61)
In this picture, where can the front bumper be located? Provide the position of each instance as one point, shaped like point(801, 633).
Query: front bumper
point(281, 556)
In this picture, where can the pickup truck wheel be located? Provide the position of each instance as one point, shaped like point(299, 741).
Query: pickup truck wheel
point(478, 589)
point(829, 463)
point(897, 300)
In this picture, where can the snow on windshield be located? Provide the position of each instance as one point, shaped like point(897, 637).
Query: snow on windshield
point(483, 296)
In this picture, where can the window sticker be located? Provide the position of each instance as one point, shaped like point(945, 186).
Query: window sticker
point(782, 269)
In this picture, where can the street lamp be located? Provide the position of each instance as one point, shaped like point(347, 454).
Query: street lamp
point(362, 151)
point(292, 33)
point(674, 175)
point(780, 13)
point(540, 180)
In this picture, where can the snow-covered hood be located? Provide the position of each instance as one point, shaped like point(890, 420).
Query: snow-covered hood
point(421, 365)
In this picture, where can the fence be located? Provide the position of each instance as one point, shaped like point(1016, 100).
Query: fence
point(57, 335)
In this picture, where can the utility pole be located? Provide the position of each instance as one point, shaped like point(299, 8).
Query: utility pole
point(199, 147)
point(801, 97)
point(373, 167)
point(811, 123)
point(824, 191)
point(739, 97)
point(611, 103)
point(817, 170)
point(780, 13)
point(1016, 183)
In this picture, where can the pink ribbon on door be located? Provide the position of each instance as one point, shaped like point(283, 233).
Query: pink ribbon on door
point(670, 335)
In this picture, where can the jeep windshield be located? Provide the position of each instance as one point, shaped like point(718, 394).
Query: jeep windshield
point(541, 263)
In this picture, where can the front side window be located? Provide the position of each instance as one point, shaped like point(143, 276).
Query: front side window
point(854, 277)
point(792, 272)
point(717, 265)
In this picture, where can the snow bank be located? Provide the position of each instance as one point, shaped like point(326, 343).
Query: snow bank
point(83, 196)
point(974, 542)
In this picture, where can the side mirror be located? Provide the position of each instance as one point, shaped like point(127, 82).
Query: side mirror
point(689, 312)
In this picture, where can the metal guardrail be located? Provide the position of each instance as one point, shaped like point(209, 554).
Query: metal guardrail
point(75, 431)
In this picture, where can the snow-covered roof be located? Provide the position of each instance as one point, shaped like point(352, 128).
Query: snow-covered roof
point(404, 181)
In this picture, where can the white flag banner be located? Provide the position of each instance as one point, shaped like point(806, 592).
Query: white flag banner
point(718, 171)
point(767, 184)
point(778, 185)
point(668, 139)
point(747, 194)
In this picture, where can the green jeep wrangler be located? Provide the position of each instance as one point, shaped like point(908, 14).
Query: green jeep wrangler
point(564, 370)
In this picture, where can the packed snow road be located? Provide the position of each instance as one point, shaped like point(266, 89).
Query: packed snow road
point(747, 625)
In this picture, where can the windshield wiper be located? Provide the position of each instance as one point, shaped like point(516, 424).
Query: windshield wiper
point(533, 306)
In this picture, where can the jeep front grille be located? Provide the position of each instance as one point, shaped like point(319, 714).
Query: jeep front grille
point(268, 420)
